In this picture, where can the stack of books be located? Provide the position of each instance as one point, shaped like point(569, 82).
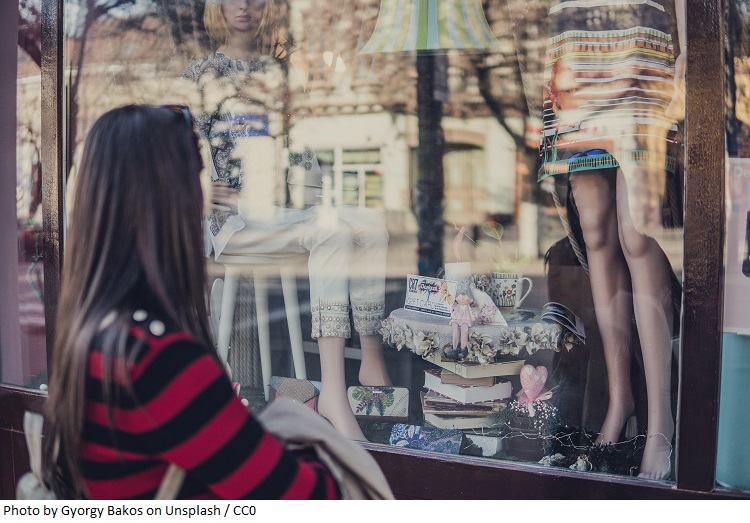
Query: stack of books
point(455, 402)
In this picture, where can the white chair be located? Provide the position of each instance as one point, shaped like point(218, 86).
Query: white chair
point(259, 266)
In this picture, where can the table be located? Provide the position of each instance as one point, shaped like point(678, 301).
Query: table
point(427, 334)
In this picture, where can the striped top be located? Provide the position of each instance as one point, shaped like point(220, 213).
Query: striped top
point(182, 409)
point(609, 79)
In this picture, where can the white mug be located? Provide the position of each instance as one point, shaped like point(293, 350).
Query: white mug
point(506, 286)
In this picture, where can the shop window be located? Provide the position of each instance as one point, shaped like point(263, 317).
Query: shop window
point(442, 153)
point(22, 320)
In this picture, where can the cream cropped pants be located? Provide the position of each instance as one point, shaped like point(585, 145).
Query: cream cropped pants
point(347, 247)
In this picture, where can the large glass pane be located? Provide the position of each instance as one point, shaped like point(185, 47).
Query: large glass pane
point(733, 464)
point(371, 152)
point(24, 358)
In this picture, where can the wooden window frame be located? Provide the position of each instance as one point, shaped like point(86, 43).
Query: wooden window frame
point(417, 475)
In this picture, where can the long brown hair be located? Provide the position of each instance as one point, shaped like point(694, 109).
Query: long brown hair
point(135, 240)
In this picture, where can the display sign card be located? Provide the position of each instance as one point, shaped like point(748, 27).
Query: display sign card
point(430, 295)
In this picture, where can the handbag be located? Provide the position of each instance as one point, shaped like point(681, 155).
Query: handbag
point(31, 485)
point(301, 391)
point(355, 470)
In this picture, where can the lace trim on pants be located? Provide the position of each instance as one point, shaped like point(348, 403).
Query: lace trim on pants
point(331, 320)
point(367, 317)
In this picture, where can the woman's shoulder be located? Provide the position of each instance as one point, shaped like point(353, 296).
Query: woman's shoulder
point(147, 332)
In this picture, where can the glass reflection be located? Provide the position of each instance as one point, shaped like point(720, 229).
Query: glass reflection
point(311, 145)
point(22, 321)
point(732, 467)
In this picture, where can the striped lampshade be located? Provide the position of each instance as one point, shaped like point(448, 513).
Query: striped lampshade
point(430, 25)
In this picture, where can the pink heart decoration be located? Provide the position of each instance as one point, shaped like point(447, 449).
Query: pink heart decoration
point(532, 381)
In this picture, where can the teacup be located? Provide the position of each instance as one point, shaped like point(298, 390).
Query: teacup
point(506, 288)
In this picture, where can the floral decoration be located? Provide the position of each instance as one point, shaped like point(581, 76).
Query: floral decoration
point(426, 344)
point(545, 420)
point(510, 341)
point(482, 282)
point(481, 349)
point(487, 314)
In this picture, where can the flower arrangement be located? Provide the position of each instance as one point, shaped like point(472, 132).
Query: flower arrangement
point(545, 421)
point(495, 251)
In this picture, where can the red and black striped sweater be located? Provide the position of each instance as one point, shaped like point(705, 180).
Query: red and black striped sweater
point(182, 409)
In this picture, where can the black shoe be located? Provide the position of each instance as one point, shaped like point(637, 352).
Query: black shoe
point(451, 352)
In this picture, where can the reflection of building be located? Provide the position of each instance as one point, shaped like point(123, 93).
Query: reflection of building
point(350, 106)
point(352, 102)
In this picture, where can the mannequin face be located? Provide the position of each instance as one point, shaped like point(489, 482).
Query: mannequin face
point(242, 15)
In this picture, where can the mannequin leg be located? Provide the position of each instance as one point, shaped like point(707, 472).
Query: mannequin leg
point(367, 288)
point(594, 196)
point(372, 370)
point(333, 403)
point(652, 302)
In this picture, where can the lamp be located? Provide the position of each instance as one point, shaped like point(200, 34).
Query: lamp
point(430, 25)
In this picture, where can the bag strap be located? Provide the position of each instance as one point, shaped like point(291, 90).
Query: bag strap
point(32, 428)
point(33, 423)
point(171, 484)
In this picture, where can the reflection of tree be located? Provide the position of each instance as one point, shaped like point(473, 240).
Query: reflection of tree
point(509, 79)
point(28, 118)
point(94, 10)
point(185, 21)
point(30, 29)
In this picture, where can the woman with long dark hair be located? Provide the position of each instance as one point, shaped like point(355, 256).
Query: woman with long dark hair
point(136, 382)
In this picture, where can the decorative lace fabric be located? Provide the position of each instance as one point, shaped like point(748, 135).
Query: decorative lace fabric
point(236, 99)
point(367, 317)
point(331, 320)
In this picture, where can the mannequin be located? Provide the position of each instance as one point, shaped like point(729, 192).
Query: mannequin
point(347, 246)
point(614, 147)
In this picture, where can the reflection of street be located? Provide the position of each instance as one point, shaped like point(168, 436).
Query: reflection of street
point(33, 339)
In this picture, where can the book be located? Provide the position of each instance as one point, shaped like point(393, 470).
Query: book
point(451, 378)
point(554, 312)
point(458, 422)
point(466, 393)
point(434, 403)
point(477, 370)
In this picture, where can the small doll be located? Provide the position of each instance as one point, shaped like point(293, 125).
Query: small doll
point(461, 322)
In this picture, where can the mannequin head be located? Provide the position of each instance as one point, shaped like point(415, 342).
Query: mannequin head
point(226, 18)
